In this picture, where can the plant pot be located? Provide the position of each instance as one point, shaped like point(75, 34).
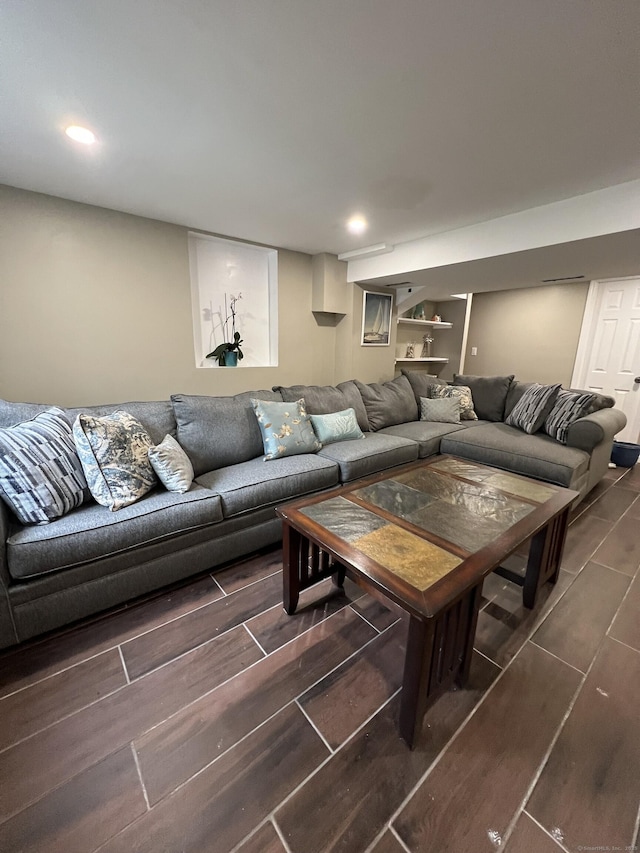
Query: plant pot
point(625, 453)
point(230, 359)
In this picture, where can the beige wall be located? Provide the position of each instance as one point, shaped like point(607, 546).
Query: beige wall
point(532, 332)
point(95, 306)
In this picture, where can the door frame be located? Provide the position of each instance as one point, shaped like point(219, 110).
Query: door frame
point(588, 329)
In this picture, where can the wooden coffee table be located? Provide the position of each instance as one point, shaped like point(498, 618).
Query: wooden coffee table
point(425, 536)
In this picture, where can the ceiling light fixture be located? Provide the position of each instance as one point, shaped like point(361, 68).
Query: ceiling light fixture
point(80, 134)
point(357, 225)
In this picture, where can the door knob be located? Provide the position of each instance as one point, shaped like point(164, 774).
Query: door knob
point(637, 379)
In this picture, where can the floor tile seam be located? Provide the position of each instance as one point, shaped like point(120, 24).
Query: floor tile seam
point(370, 848)
point(57, 672)
point(636, 834)
point(457, 733)
point(621, 643)
point(612, 569)
point(62, 719)
point(124, 665)
point(558, 658)
point(256, 829)
point(546, 831)
point(139, 772)
point(554, 740)
point(314, 727)
point(364, 618)
point(247, 585)
point(273, 814)
point(190, 612)
point(247, 629)
point(396, 835)
point(216, 582)
point(280, 835)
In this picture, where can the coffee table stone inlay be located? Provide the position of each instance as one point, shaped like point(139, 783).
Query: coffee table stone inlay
point(425, 536)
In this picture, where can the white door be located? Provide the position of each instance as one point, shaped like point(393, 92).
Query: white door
point(608, 359)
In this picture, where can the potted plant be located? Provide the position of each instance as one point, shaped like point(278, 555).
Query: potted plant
point(229, 353)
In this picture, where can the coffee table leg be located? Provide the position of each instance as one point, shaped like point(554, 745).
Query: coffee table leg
point(545, 557)
point(290, 568)
point(415, 683)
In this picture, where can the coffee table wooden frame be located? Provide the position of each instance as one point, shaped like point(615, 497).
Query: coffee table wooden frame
point(443, 618)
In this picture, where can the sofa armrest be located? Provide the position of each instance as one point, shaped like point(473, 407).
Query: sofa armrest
point(8, 634)
point(588, 432)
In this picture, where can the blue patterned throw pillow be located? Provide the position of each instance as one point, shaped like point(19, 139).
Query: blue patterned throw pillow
point(41, 476)
point(531, 410)
point(337, 426)
point(114, 452)
point(286, 428)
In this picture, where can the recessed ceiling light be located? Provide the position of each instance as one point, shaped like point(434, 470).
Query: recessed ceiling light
point(357, 225)
point(80, 134)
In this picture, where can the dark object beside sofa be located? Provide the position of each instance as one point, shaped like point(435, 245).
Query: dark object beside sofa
point(92, 559)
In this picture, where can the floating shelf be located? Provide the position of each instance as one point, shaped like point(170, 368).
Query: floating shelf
point(439, 360)
point(433, 323)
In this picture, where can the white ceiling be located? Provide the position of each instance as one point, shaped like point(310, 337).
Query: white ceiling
point(275, 120)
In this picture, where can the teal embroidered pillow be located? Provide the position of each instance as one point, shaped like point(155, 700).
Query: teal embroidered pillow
point(114, 452)
point(286, 428)
point(337, 426)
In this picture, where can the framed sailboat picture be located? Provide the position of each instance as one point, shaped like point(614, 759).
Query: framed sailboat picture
point(376, 319)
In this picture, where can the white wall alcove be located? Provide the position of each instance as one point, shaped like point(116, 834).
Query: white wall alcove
point(226, 268)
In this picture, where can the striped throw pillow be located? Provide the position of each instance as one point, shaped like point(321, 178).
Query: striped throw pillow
point(41, 477)
point(531, 410)
point(568, 407)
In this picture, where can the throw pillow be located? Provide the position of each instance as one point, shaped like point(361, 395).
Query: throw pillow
point(388, 403)
point(113, 451)
point(337, 426)
point(445, 410)
point(172, 465)
point(568, 407)
point(421, 382)
point(531, 410)
point(462, 392)
point(286, 429)
point(41, 477)
point(489, 394)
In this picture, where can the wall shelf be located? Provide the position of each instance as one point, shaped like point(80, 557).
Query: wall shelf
point(412, 360)
point(432, 323)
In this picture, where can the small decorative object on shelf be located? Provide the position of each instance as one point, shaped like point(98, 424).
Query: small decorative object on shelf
point(411, 350)
point(228, 353)
point(436, 318)
point(427, 340)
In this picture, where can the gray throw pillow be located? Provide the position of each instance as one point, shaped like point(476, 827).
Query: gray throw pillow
point(421, 382)
point(489, 394)
point(114, 454)
point(326, 399)
point(445, 410)
point(172, 465)
point(531, 410)
point(41, 477)
point(462, 392)
point(568, 407)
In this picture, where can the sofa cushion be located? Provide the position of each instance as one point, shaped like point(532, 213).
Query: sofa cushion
point(253, 484)
point(92, 531)
point(219, 431)
point(568, 407)
point(389, 403)
point(337, 426)
point(114, 452)
point(41, 477)
point(426, 434)
point(421, 382)
point(376, 453)
point(285, 428)
point(462, 392)
point(172, 465)
point(531, 410)
point(512, 449)
point(325, 399)
point(444, 411)
point(489, 394)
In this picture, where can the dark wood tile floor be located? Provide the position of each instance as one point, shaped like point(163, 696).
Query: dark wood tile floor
point(205, 719)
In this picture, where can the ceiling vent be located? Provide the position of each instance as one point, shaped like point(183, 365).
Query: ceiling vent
point(566, 278)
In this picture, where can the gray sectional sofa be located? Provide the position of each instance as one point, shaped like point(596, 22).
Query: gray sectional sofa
point(92, 559)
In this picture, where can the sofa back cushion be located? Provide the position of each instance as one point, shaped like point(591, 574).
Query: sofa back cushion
point(389, 403)
point(326, 399)
point(489, 394)
point(421, 383)
point(219, 431)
